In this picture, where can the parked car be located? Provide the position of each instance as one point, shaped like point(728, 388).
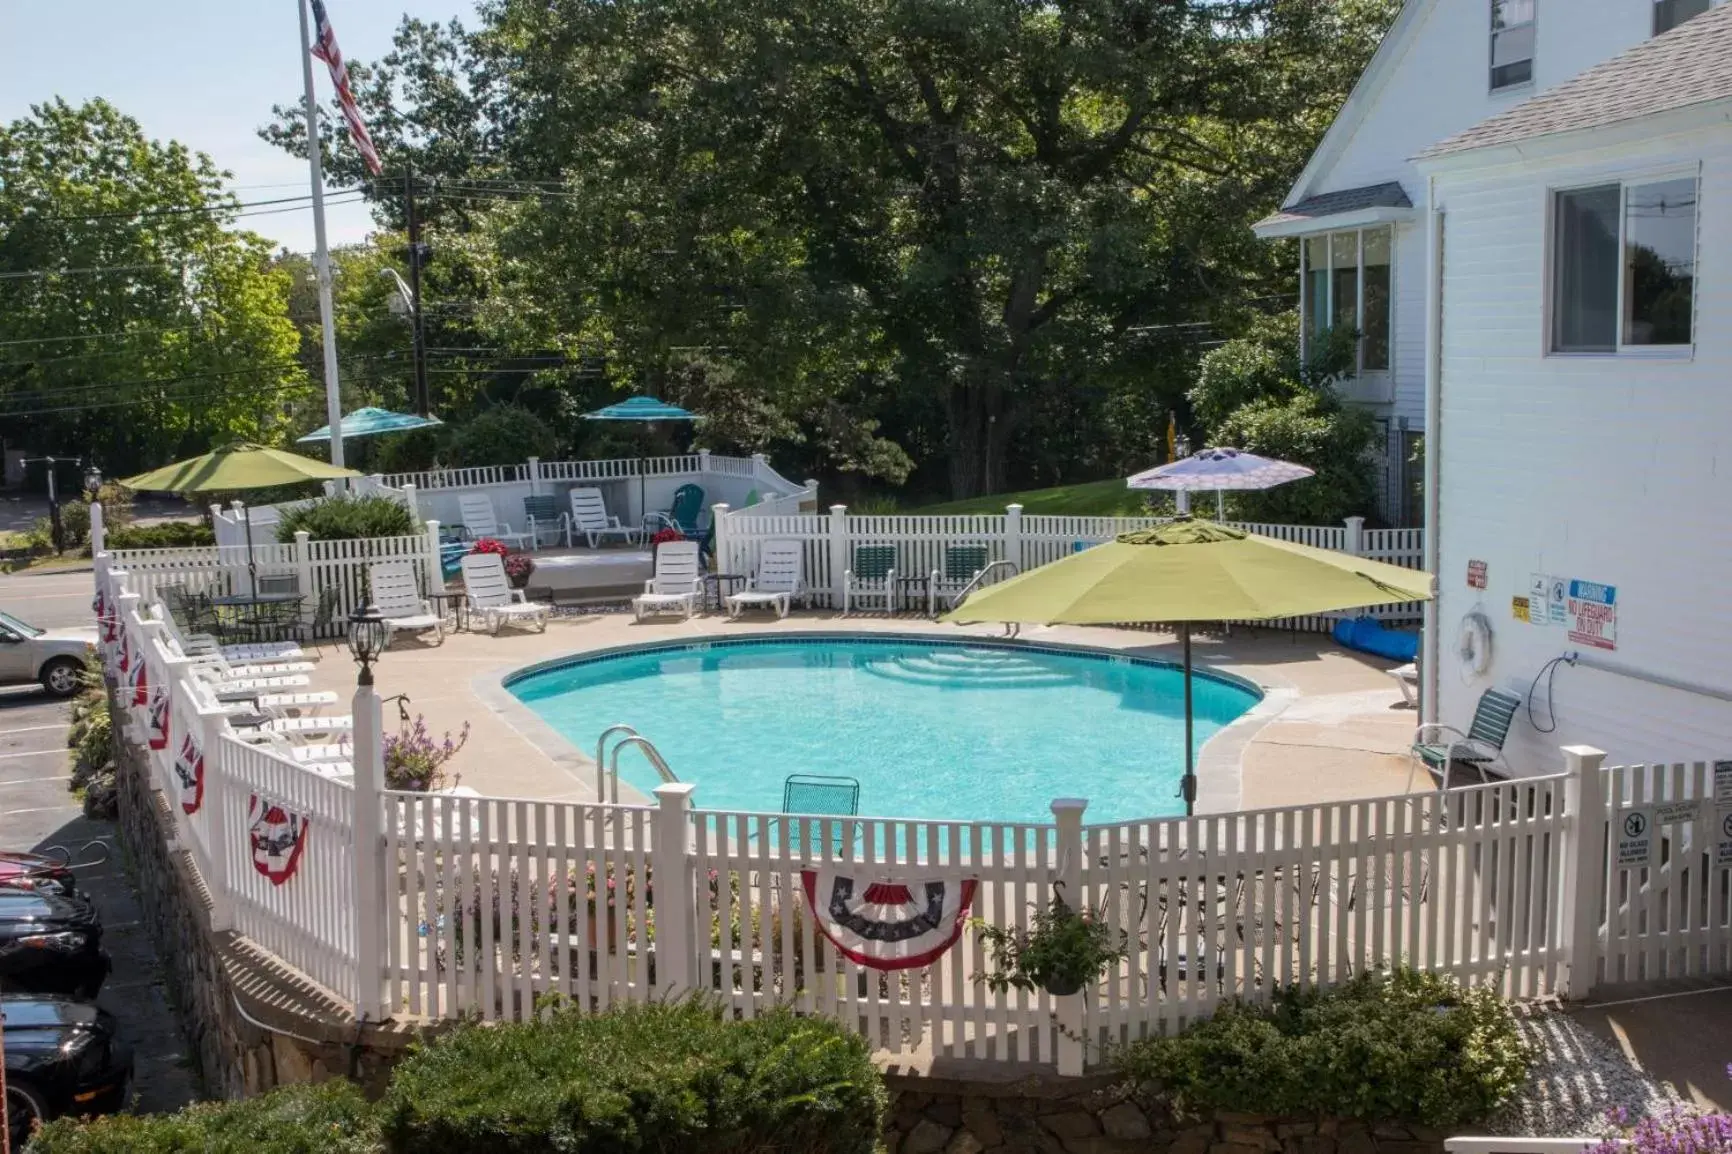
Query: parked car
point(63, 1056)
point(34, 871)
point(50, 943)
point(54, 658)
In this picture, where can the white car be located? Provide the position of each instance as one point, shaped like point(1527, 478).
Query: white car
point(54, 658)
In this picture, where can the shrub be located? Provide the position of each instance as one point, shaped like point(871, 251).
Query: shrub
point(346, 519)
point(641, 1078)
point(1061, 951)
point(330, 1118)
point(1403, 1046)
point(505, 435)
point(414, 761)
point(167, 535)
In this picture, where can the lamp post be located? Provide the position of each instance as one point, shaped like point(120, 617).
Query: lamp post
point(92, 481)
point(368, 637)
point(1181, 450)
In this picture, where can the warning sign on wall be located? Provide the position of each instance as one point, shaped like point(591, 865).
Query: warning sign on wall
point(1592, 612)
point(1476, 574)
point(1723, 842)
point(1636, 838)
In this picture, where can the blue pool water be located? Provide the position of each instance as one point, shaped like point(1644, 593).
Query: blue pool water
point(930, 729)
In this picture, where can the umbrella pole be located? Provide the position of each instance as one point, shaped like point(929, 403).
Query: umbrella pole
point(1189, 785)
point(252, 565)
point(1220, 505)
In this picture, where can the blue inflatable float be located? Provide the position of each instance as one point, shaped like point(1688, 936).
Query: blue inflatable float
point(1368, 635)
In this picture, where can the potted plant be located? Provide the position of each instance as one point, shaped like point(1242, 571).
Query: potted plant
point(1063, 950)
point(491, 545)
point(518, 567)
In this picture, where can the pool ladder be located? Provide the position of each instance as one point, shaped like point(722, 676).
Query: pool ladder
point(607, 769)
point(1011, 628)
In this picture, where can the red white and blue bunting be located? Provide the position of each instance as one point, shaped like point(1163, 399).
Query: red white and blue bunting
point(278, 836)
point(886, 923)
point(157, 724)
point(189, 773)
point(140, 680)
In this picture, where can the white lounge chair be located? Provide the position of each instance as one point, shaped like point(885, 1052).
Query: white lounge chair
point(491, 596)
point(341, 723)
point(589, 516)
point(678, 582)
point(480, 520)
point(781, 577)
point(398, 598)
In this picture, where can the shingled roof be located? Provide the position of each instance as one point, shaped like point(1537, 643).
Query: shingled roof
point(1389, 195)
point(1691, 64)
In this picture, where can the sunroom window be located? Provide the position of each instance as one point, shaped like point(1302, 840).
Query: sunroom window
point(1345, 284)
point(1624, 266)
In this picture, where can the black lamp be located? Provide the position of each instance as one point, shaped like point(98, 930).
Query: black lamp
point(92, 480)
point(368, 637)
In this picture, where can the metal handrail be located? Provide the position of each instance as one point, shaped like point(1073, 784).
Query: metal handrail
point(979, 577)
point(601, 760)
point(649, 751)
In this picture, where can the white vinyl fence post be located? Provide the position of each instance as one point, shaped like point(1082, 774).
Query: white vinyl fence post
point(1067, 812)
point(676, 955)
point(811, 497)
point(703, 460)
point(724, 558)
point(210, 725)
point(410, 502)
point(97, 534)
point(435, 563)
point(535, 476)
point(838, 554)
point(1355, 542)
point(1013, 535)
point(304, 575)
point(1583, 868)
point(369, 855)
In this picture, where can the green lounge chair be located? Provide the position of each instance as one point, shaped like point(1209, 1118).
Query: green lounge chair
point(962, 564)
point(872, 578)
point(687, 514)
point(1440, 747)
point(805, 794)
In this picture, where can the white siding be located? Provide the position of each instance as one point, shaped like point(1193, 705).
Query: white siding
point(1599, 468)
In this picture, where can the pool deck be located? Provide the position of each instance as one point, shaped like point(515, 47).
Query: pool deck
point(1331, 725)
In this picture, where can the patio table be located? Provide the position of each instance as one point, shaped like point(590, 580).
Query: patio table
point(261, 616)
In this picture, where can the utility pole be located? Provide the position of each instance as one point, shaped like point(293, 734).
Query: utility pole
point(417, 254)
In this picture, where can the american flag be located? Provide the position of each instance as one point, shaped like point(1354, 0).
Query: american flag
point(325, 48)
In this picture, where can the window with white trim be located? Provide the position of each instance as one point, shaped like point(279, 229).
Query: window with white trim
point(1512, 43)
point(1668, 14)
point(1624, 266)
point(1344, 283)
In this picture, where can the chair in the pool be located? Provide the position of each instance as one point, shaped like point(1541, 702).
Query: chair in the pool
point(492, 598)
point(780, 578)
point(481, 521)
point(687, 515)
point(590, 519)
point(871, 579)
point(1480, 750)
point(678, 584)
point(813, 794)
point(962, 564)
point(546, 523)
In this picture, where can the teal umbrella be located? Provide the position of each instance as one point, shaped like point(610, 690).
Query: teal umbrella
point(641, 409)
point(371, 422)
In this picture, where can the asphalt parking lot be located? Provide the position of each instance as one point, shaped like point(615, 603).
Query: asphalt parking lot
point(37, 810)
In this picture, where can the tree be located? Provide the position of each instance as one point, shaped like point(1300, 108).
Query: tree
point(135, 324)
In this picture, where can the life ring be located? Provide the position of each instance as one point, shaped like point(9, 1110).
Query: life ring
point(1473, 644)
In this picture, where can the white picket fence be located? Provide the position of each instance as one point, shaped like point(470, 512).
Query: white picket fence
point(439, 906)
point(830, 539)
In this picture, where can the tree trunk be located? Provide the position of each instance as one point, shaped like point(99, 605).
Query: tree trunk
point(980, 428)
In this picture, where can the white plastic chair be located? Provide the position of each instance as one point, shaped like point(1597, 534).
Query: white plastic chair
point(589, 516)
point(480, 520)
point(781, 577)
point(490, 594)
point(678, 582)
point(398, 599)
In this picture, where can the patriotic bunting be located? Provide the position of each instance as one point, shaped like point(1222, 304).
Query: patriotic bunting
point(277, 837)
point(189, 772)
point(884, 923)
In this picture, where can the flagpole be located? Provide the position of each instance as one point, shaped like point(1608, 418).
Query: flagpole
point(321, 254)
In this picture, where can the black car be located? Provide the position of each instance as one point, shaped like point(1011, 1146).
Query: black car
point(50, 943)
point(63, 1056)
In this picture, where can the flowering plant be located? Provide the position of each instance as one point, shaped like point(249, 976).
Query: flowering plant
point(1062, 950)
point(1678, 1129)
point(518, 567)
point(491, 545)
point(415, 761)
point(663, 536)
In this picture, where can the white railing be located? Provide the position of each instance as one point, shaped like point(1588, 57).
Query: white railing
point(830, 539)
point(1544, 885)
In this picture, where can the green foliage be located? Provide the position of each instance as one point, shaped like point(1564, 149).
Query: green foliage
point(329, 1118)
point(1108, 498)
point(163, 535)
point(94, 729)
point(196, 344)
point(346, 519)
point(1400, 1046)
point(641, 1078)
point(506, 435)
point(1062, 950)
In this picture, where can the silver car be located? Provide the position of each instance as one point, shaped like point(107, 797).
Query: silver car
point(54, 658)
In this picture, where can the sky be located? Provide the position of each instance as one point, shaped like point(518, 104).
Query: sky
point(204, 72)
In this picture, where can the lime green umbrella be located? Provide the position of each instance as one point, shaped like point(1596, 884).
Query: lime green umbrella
point(1192, 570)
point(237, 466)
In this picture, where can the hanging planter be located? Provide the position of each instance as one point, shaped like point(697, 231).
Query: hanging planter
point(1061, 951)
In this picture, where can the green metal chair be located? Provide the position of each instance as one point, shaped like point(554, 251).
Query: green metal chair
point(805, 794)
point(687, 514)
point(1441, 747)
point(871, 579)
point(962, 564)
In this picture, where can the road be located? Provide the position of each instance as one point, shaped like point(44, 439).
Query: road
point(48, 600)
point(37, 810)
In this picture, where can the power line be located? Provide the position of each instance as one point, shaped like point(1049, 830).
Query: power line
point(93, 269)
point(188, 210)
point(258, 392)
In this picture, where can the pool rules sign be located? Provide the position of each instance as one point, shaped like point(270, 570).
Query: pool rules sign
point(1636, 838)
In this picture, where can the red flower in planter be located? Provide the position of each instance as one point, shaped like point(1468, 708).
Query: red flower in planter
point(491, 545)
point(665, 535)
point(518, 567)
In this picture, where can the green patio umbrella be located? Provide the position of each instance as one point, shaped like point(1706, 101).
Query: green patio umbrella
point(1192, 570)
point(238, 466)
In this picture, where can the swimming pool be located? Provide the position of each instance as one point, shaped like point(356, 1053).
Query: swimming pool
point(931, 728)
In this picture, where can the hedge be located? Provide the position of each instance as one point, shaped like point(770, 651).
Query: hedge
point(647, 1078)
point(1403, 1046)
point(347, 519)
point(330, 1118)
point(163, 535)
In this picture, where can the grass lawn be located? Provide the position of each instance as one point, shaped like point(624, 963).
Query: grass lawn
point(1107, 498)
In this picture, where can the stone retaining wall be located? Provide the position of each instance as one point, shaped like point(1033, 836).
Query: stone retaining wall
point(251, 1023)
point(1044, 1114)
